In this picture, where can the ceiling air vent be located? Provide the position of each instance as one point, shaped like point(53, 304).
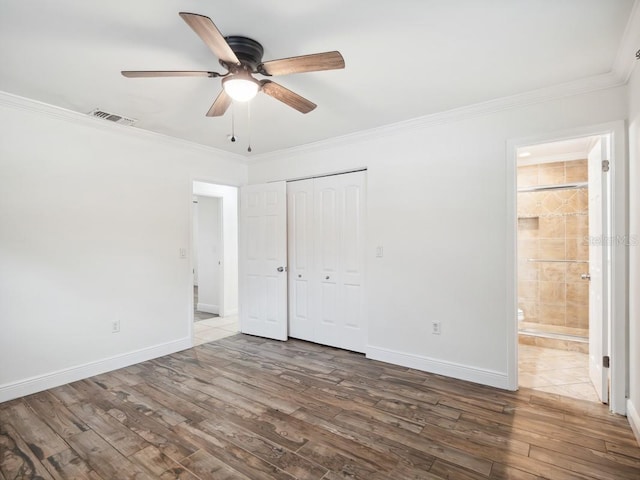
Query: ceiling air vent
point(112, 117)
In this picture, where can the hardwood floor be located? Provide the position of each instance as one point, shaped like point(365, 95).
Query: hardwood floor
point(248, 408)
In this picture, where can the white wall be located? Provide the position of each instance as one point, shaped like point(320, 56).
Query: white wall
point(437, 204)
point(633, 404)
point(92, 220)
point(209, 254)
point(229, 197)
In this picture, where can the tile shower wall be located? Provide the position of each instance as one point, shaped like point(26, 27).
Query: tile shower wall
point(553, 225)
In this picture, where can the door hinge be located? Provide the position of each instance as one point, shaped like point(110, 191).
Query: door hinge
point(606, 361)
point(605, 165)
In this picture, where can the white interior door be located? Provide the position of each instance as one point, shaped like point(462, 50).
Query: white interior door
point(263, 255)
point(301, 247)
point(598, 318)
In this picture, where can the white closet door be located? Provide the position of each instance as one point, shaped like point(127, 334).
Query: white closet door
point(301, 259)
point(326, 257)
point(263, 255)
point(339, 255)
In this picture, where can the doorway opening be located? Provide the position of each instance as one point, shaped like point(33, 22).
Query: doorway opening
point(563, 267)
point(214, 261)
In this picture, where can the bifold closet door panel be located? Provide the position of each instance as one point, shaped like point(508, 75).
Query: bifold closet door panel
point(301, 259)
point(339, 256)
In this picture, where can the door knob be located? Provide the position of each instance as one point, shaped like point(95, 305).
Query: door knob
point(585, 276)
point(327, 277)
point(281, 269)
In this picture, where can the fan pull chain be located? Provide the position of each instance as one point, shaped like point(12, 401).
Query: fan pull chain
point(249, 125)
point(233, 121)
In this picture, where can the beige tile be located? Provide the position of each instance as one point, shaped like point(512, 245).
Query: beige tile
point(552, 227)
point(526, 204)
point(575, 270)
point(527, 248)
point(577, 316)
point(528, 271)
point(552, 203)
point(552, 314)
point(577, 225)
point(577, 249)
point(528, 290)
point(576, 173)
point(528, 227)
point(552, 272)
point(551, 249)
point(578, 293)
point(578, 347)
point(551, 174)
point(553, 293)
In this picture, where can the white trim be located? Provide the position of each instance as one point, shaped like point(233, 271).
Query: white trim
point(634, 419)
point(39, 383)
point(454, 370)
point(22, 103)
point(578, 87)
point(619, 286)
point(625, 58)
point(230, 313)
point(205, 307)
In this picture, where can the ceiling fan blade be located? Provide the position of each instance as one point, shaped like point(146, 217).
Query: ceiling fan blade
point(305, 63)
point(285, 95)
point(211, 36)
point(167, 73)
point(220, 105)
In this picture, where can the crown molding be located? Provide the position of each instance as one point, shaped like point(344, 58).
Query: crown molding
point(626, 58)
point(22, 103)
point(569, 89)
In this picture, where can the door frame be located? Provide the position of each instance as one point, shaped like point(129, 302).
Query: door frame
point(189, 288)
point(618, 291)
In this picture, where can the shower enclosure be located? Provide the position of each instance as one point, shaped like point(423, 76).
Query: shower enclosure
point(553, 255)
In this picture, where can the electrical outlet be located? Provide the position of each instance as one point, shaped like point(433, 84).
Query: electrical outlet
point(436, 328)
point(115, 326)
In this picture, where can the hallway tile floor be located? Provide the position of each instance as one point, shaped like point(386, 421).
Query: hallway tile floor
point(555, 371)
point(205, 331)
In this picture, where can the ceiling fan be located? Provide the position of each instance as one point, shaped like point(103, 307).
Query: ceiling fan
point(242, 57)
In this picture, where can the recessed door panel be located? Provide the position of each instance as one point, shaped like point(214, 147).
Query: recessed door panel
point(263, 255)
point(329, 297)
point(300, 198)
point(326, 233)
point(352, 305)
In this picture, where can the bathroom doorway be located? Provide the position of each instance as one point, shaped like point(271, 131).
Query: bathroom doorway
point(563, 267)
point(214, 261)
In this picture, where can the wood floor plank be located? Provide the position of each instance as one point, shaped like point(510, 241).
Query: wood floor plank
point(42, 440)
point(249, 408)
point(104, 459)
point(17, 460)
point(56, 415)
point(68, 465)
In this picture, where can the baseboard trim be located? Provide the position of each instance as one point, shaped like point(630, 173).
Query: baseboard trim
point(39, 383)
point(634, 419)
point(205, 307)
point(229, 313)
point(448, 369)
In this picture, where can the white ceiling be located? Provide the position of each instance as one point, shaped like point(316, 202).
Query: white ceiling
point(561, 151)
point(404, 59)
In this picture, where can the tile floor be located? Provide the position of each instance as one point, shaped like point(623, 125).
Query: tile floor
point(556, 371)
point(205, 331)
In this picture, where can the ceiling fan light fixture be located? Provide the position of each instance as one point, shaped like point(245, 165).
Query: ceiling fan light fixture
point(241, 88)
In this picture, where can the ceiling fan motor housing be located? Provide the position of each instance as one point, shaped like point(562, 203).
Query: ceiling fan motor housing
point(248, 51)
